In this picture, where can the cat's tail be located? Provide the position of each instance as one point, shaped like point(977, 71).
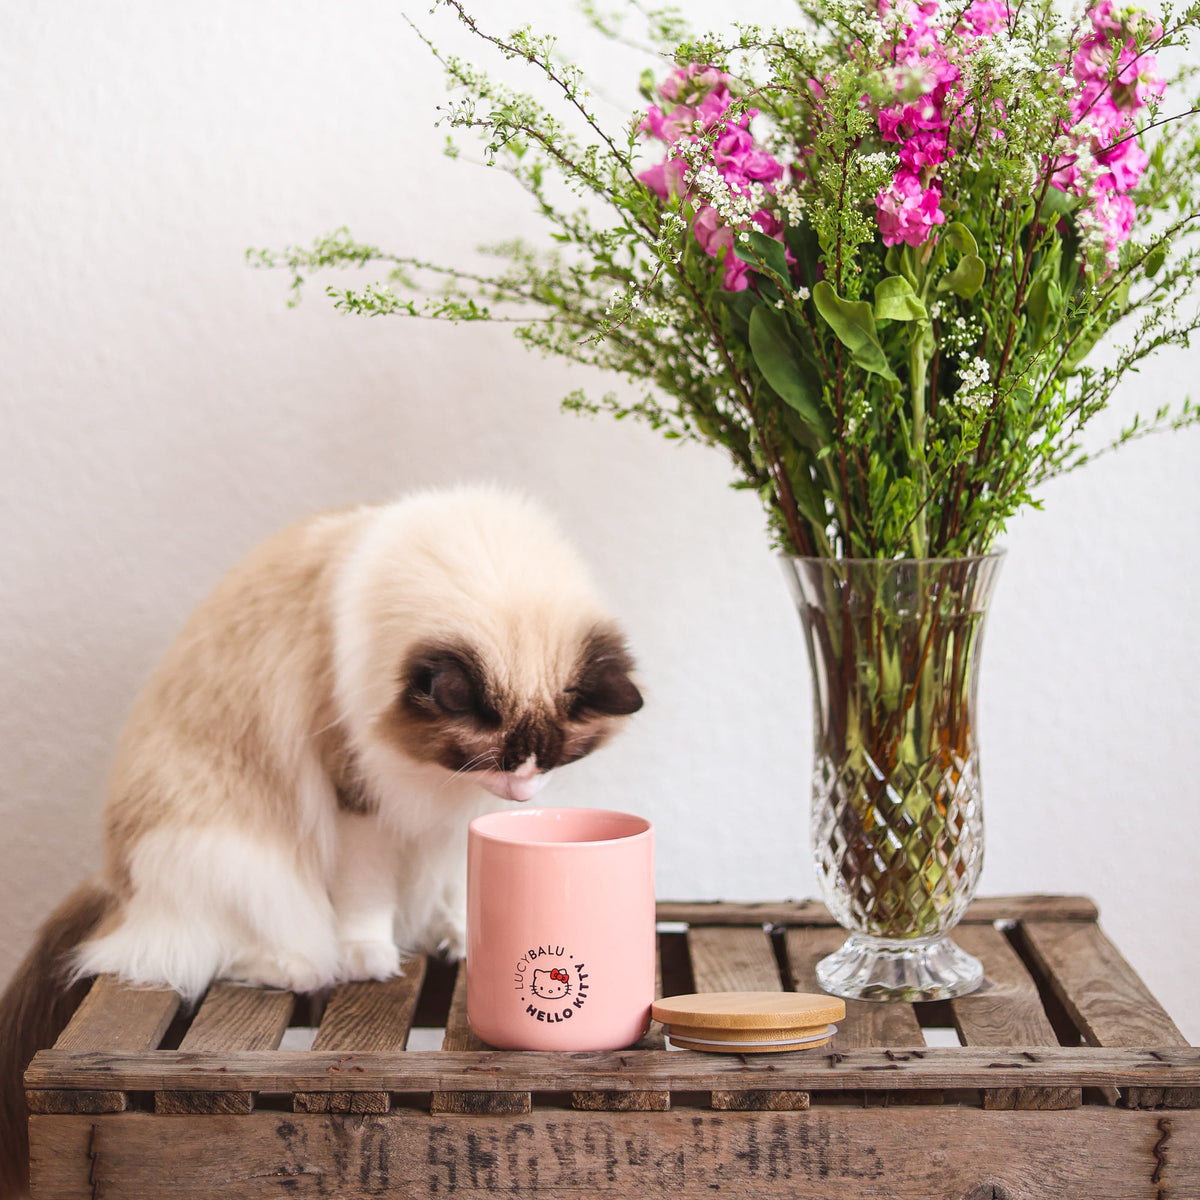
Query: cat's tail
point(34, 1010)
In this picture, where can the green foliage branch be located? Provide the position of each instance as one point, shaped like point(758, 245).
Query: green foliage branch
point(882, 401)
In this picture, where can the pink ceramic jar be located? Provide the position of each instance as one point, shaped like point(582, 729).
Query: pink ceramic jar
point(560, 928)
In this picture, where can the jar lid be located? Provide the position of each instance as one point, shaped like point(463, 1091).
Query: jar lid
point(749, 1022)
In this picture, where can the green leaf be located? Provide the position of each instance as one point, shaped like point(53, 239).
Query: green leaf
point(767, 255)
point(1155, 260)
point(778, 356)
point(895, 300)
point(966, 278)
point(961, 238)
point(854, 326)
point(1059, 203)
point(1042, 306)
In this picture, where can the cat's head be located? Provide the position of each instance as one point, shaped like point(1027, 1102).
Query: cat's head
point(460, 710)
point(478, 643)
point(553, 984)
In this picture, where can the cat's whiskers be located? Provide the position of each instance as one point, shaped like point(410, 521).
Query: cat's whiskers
point(471, 764)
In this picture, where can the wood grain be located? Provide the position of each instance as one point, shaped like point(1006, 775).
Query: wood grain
point(867, 1023)
point(732, 959)
point(1006, 1011)
point(232, 1017)
point(1104, 996)
point(901, 1154)
point(607, 1100)
point(620, 1070)
point(115, 1016)
point(112, 1016)
point(459, 1037)
point(365, 1016)
point(986, 910)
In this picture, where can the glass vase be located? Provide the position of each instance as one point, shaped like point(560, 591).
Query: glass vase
point(897, 814)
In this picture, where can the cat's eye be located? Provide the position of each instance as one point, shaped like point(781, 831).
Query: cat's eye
point(443, 682)
point(450, 690)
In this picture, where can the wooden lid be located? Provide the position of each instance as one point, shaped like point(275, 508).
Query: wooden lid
point(749, 1010)
point(714, 1046)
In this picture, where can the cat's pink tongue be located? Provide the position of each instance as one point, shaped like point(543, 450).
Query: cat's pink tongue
point(510, 785)
point(525, 789)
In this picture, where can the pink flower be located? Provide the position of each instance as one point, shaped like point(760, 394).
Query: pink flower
point(1115, 82)
point(1126, 163)
point(907, 211)
point(701, 99)
point(927, 149)
point(737, 157)
point(665, 179)
point(985, 18)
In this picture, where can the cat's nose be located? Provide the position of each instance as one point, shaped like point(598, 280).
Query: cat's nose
point(525, 770)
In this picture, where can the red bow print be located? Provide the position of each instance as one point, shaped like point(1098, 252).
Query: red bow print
point(560, 975)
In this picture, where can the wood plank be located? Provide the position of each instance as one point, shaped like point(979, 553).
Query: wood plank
point(117, 1017)
point(986, 910)
point(367, 1015)
point(633, 1101)
point(1006, 1011)
point(1104, 996)
point(112, 1016)
point(873, 1069)
point(459, 1037)
point(867, 1023)
point(232, 1017)
point(902, 1154)
point(740, 959)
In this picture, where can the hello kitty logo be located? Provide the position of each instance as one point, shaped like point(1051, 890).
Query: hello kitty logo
point(551, 985)
point(564, 981)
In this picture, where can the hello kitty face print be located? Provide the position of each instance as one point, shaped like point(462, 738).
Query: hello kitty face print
point(551, 984)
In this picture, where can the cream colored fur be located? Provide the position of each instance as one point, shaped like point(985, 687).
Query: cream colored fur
point(227, 849)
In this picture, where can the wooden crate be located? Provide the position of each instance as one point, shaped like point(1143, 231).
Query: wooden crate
point(1070, 1082)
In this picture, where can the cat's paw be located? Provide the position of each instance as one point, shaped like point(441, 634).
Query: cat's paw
point(451, 939)
point(283, 969)
point(369, 960)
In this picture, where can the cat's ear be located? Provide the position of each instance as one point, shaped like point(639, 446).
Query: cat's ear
point(602, 685)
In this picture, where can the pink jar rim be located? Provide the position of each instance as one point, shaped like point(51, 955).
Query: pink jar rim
point(561, 827)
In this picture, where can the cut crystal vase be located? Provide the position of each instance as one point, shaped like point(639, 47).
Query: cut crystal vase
point(897, 815)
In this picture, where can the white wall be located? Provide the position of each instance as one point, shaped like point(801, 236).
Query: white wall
point(163, 410)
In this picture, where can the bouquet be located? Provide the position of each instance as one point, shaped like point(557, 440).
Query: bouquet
point(869, 255)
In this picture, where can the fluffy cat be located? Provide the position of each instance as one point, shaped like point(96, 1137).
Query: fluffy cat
point(290, 795)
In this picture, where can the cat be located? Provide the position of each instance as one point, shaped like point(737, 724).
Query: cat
point(289, 798)
point(551, 985)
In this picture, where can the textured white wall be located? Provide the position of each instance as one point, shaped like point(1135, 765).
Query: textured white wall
point(162, 411)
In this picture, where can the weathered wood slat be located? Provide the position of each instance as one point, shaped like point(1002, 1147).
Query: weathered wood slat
point(460, 1038)
point(622, 1070)
point(732, 959)
point(231, 1017)
point(632, 1101)
point(986, 910)
point(112, 1016)
point(365, 1016)
point(866, 1023)
point(1104, 996)
point(1006, 1011)
point(115, 1016)
point(901, 1154)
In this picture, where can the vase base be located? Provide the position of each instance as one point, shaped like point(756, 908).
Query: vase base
point(871, 968)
